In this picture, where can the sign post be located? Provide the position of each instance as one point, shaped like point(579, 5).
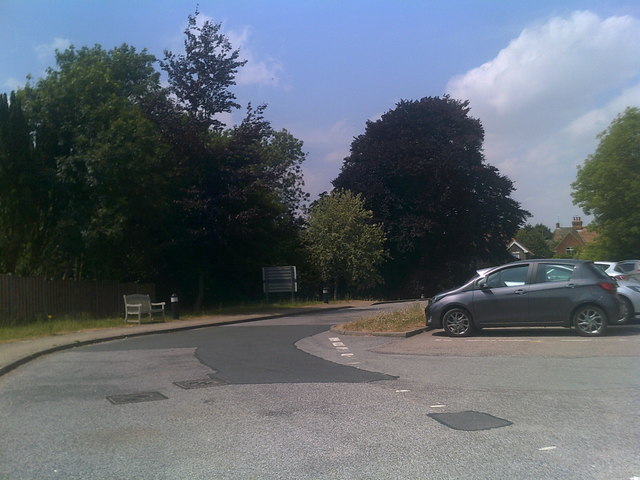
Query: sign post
point(280, 280)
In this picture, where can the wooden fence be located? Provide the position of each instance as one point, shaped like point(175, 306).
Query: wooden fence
point(28, 298)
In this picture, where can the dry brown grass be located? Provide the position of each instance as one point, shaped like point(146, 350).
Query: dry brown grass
point(399, 321)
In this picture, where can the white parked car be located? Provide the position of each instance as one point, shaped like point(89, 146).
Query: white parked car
point(628, 288)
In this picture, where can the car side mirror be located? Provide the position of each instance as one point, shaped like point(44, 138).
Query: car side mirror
point(482, 283)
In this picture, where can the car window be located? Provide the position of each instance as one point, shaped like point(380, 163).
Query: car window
point(626, 267)
point(597, 271)
point(601, 266)
point(550, 272)
point(508, 277)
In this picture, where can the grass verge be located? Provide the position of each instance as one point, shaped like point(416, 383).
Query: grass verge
point(58, 326)
point(399, 321)
point(43, 328)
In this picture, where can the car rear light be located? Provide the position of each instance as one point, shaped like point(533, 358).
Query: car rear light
point(609, 287)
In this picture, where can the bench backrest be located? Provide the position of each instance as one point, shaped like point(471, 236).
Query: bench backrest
point(139, 299)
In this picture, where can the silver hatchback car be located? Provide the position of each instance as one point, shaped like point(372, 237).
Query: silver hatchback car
point(565, 293)
point(628, 291)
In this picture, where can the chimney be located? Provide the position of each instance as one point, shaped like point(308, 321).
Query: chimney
point(577, 223)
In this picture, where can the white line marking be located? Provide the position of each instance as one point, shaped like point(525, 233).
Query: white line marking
point(500, 340)
point(346, 354)
point(543, 449)
point(402, 391)
point(342, 348)
point(334, 339)
point(437, 406)
point(338, 344)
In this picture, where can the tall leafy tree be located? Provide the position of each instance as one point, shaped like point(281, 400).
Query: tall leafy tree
point(608, 186)
point(201, 77)
point(421, 171)
point(241, 187)
point(241, 210)
point(344, 243)
point(108, 161)
point(20, 182)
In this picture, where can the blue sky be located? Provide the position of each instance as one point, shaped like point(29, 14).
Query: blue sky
point(544, 77)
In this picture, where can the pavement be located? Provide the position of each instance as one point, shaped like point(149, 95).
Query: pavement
point(16, 353)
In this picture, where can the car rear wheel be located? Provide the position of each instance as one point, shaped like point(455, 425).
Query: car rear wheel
point(626, 311)
point(457, 323)
point(590, 321)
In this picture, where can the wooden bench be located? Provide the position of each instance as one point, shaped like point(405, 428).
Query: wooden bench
point(139, 304)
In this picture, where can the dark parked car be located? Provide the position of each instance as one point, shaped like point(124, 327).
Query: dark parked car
point(565, 293)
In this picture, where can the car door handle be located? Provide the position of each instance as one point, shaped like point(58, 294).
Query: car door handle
point(570, 285)
point(520, 291)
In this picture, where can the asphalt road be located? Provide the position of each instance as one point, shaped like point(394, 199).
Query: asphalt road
point(289, 399)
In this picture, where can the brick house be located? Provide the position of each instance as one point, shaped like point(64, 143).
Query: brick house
point(568, 239)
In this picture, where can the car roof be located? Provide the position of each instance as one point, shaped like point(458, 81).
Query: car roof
point(552, 260)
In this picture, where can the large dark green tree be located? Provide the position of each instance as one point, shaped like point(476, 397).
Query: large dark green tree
point(608, 186)
point(240, 189)
point(106, 161)
point(105, 174)
point(21, 183)
point(421, 170)
point(240, 211)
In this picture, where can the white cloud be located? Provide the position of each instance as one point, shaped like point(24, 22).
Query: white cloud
point(255, 71)
point(330, 145)
point(595, 121)
point(545, 97)
point(13, 83)
point(46, 51)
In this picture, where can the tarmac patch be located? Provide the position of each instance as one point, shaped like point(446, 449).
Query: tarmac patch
point(470, 421)
point(201, 383)
point(136, 398)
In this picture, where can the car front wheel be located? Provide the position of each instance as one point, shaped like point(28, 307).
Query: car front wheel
point(590, 321)
point(457, 323)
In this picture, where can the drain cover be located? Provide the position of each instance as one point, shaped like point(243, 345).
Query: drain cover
point(470, 421)
point(136, 397)
point(202, 383)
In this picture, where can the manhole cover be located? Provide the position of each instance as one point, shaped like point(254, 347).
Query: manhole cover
point(136, 397)
point(470, 421)
point(202, 383)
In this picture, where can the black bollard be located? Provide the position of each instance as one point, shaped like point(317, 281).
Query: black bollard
point(174, 307)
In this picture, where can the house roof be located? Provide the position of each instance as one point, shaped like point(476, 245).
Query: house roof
point(581, 235)
point(519, 245)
